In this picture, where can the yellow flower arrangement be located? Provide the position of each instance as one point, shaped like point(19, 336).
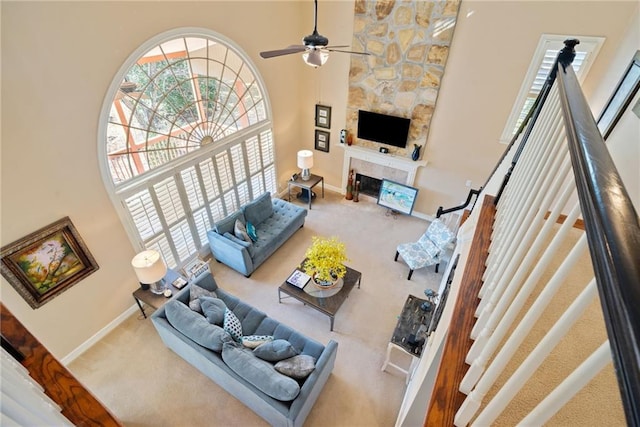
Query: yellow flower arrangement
point(325, 258)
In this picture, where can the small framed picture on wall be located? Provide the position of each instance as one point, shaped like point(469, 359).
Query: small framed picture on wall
point(323, 116)
point(322, 140)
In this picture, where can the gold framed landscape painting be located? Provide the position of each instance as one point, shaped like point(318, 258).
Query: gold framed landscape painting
point(47, 262)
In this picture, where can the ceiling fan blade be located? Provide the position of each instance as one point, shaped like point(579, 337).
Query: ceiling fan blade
point(335, 47)
point(286, 51)
point(348, 51)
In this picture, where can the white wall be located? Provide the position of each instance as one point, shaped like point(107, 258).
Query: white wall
point(58, 58)
point(624, 141)
point(57, 61)
point(492, 47)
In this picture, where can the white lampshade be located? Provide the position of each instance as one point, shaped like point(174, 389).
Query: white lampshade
point(305, 159)
point(149, 267)
point(315, 57)
point(305, 162)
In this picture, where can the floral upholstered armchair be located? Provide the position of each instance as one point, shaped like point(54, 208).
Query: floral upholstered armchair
point(428, 250)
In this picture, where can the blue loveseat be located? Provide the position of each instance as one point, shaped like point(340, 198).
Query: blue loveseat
point(252, 381)
point(275, 220)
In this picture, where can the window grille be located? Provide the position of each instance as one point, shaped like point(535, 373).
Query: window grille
point(186, 139)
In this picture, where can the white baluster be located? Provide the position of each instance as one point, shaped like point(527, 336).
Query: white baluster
point(523, 328)
point(569, 387)
point(537, 356)
point(531, 229)
point(497, 327)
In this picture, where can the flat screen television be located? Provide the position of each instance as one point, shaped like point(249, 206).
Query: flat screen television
point(383, 128)
point(397, 197)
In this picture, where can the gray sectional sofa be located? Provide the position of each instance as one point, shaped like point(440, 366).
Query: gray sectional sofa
point(279, 399)
point(275, 220)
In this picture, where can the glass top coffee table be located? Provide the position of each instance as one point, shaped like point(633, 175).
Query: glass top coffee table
point(326, 301)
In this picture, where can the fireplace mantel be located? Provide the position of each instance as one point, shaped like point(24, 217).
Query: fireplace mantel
point(387, 160)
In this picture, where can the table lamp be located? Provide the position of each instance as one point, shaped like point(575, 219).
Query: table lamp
point(150, 269)
point(305, 162)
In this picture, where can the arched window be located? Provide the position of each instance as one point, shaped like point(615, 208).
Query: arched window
point(185, 139)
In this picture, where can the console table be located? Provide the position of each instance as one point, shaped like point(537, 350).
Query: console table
point(410, 334)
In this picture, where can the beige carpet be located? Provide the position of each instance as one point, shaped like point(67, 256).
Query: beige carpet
point(145, 384)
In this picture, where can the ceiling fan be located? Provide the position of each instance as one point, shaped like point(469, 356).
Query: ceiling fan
point(314, 47)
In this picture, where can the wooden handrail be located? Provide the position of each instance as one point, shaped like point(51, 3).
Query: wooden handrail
point(446, 399)
point(613, 232)
point(77, 403)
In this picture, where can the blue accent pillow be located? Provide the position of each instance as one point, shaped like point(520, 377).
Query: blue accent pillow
point(251, 231)
point(275, 351)
point(259, 373)
point(195, 292)
point(195, 326)
point(259, 209)
point(213, 309)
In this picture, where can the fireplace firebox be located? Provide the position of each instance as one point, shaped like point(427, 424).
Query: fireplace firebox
point(368, 185)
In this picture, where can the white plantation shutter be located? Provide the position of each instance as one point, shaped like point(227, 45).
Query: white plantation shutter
point(223, 164)
point(173, 214)
point(254, 160)
point(270, 179)
point(169, 200)
point(210, 181)
point(202, 224)
point(539, 69)
point(192, 187)
point(186, 139)
point(266, 148)
point(144, 214)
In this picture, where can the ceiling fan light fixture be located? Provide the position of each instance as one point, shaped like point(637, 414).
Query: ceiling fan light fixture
point(315, 57)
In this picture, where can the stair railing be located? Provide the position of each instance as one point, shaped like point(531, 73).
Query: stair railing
point(560, 141)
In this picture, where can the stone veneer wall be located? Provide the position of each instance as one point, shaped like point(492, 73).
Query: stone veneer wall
point(409, 45)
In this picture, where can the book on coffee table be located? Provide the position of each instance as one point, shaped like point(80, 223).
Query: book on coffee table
point(299, 279)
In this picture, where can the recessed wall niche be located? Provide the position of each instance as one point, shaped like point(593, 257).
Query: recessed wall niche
point(409, 45)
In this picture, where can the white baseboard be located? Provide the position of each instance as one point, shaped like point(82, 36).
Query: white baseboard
point(99, 335)
point(420, 215)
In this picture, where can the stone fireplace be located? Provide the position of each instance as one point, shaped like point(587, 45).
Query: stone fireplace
point(375, 166)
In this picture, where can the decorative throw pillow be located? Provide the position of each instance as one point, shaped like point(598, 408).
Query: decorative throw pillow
point(195, 292)
point(253, 341)
point(260, 373)
point(195, 326)
point(240, 230)
point(232, 325)
point(259, 209)
point(298, 367)
point(275, 351)
point(251, 231)
point(213, 309)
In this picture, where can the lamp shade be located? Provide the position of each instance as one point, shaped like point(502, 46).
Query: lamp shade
point(315, 57)
point(149, 266)
point(305, 159)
